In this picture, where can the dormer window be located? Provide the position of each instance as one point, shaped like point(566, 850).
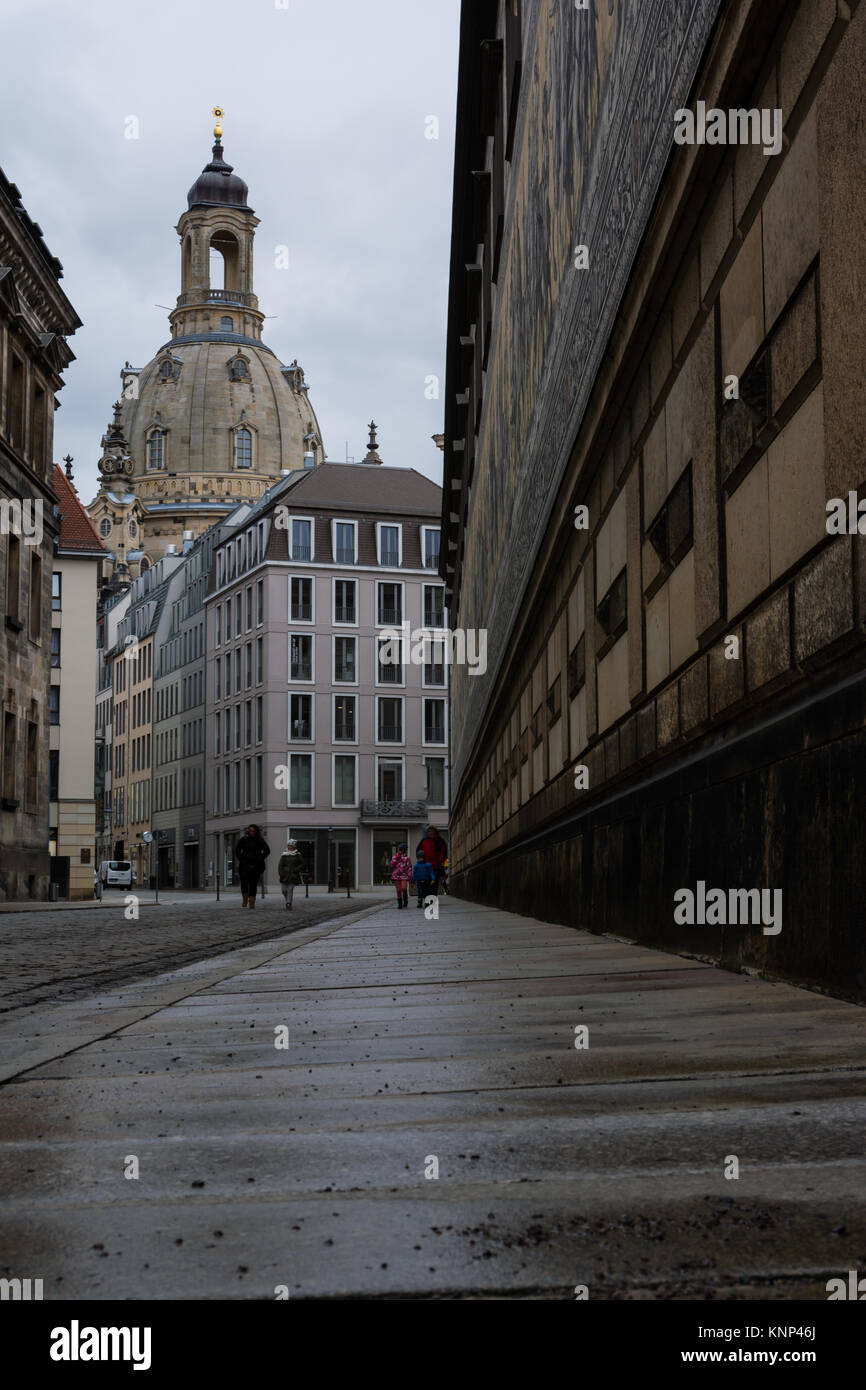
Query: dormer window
point(243, 448)
point(239, 369)
point(105, 527)
point(227, 324)
point(430, 547)
point(156, 448)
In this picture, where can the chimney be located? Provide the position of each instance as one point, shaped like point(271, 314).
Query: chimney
point(188, 542)
point(171, 550)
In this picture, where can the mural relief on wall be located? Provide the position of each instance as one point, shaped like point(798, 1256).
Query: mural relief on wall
point(602, 88)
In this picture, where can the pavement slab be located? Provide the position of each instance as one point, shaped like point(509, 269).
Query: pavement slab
point(431, 1124)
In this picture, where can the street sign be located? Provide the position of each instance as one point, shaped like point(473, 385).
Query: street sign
point(147, 837)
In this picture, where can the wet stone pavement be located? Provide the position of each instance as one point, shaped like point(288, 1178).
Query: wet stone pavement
point(386, 1106)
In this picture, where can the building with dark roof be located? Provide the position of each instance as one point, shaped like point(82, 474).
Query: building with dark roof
point(318, 724)
point(76, 575)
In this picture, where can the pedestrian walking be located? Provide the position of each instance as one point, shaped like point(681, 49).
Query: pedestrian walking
point(251, 852)
point(401, 873)
point(290, 870)
point(435, 850)
point(422, 875)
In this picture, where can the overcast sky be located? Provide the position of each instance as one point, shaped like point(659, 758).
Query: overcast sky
point(326, 105)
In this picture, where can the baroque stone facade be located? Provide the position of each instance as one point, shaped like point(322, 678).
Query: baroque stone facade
point(35, 320)
point(215, 417)
point(669, 337)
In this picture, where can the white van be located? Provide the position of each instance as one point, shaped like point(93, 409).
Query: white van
point(116, 873)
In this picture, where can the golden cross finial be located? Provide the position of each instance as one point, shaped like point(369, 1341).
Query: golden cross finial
point(218, 115)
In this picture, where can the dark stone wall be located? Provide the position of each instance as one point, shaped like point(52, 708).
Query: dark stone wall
point(779, 808)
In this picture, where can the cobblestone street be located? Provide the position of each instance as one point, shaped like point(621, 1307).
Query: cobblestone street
point(63, 953)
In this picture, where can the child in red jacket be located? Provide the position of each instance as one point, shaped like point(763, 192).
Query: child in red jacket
point(401, 872)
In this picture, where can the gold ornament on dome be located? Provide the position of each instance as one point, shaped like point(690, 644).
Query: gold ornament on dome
point(218, 114)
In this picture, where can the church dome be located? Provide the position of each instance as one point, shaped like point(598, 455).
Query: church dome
point(218, 185)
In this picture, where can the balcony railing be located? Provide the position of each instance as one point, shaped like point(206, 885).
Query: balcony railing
point(390, 675)
point(396, 810)
point(239, 297)
point(344, 614)
point(390, 733)
point(345, 555)
point(302, 612)
point(302, 728)
point(390, 559)
point(434, 733)
point(391, 616)
point(301, 552)
point(302, 671)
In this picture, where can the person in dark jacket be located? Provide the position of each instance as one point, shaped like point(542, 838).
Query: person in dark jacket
point(434, 849)
point(290, 870)
point(251, 852)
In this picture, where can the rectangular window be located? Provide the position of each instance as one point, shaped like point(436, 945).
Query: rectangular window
point(259, 719)
point(37, 428)
point(301, 539)
point(389, 604)
point(344, 718)
point(218, 627)
point(13, 578)
point(301, 609)
point(389, 781)
point(430, 547)
point(345, 660)
point(237, 786)
point(301, 657)
point(227, 730)
point(237, 723)
point(53, 774)
point(237, 615)
point(389, 726)
point(54, 704)
point(228, 619)
point(434, 721)
point(389, 663)
point(249, 608)
point(32, 785)
point(237, 669)
point(300, 717)
point(248, 782)
point(260, 602)
point(434, 662)
point(260, 661)
point(248, 666)
point(248, 723)
point(435, 781)
point(301, 779)
point(260, 785)
point(434, 606)
point(344, 542)
point(217, 742)
point(344, 780)
point(227, 683)
point(389, 546)
point(35, 597)
point(345, 607)
point(56, 595)
point(55, 646)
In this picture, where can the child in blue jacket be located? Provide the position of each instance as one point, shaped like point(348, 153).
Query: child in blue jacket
point(423, 873)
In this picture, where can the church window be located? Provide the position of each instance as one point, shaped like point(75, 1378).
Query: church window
point(105, 527)
point(227, 323)
point(243, 449)
point(165, 370)
point(156, 449)
point(133, 529)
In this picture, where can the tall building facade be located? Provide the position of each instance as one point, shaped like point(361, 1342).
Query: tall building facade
point(36, 318)
point(654, 416)
point(319, 723)
point(75, 581)
point(215, 416)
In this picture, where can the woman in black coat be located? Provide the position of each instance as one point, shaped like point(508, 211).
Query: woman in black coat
point(251, 852)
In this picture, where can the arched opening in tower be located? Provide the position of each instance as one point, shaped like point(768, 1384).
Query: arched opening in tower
point(223, 261)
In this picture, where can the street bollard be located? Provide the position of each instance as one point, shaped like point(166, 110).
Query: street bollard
point(307, 886)
point(218, 885)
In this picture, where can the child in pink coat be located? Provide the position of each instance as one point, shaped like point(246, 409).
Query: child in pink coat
point(401, 873)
